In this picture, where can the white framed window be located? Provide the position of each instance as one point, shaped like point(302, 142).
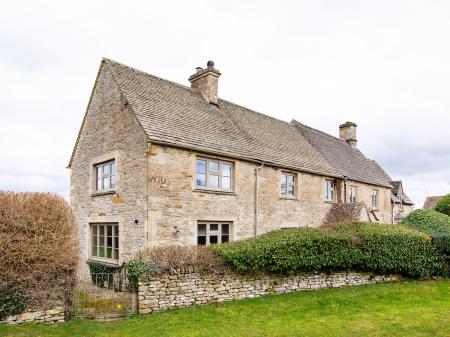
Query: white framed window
point(352, 191)
point(329, 190)
point(214, 174)
point(400, 206)
point(288, 181)
point(105, 176)
point(105, 241)
point(374, 198)
point(211, 232)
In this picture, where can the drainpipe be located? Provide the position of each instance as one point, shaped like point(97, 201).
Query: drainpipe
point(256, 197)
point(345, 189)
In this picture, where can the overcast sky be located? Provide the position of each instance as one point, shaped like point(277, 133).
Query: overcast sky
point(382, 64)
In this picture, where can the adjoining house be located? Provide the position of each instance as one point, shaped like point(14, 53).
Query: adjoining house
point(157, 163)
point(431, 202)
point(402, 205)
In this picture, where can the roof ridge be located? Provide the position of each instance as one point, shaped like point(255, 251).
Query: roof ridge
point(188, 88)
point(323, 132)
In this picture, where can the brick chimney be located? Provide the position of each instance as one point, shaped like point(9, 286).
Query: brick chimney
point(206, 82)
point(347, 132)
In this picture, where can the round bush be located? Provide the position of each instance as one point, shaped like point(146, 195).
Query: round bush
point(435, 224)
point(443, 206)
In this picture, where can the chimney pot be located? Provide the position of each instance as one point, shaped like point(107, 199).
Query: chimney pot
point(347, 133)
point(206, 82)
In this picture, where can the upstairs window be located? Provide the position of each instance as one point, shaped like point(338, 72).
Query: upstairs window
point(214, 174)
point(105, 176)
point(213, 232)
point(329, 190)
point(352, 194)
point(400, 206)
point(374, 198)
point(288, 184)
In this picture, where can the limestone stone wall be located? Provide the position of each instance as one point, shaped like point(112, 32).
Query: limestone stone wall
point(110, 131)
point(190, 288)
point(175, 201)
point(54, 315)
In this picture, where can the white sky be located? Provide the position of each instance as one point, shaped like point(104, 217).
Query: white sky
point(382, 64)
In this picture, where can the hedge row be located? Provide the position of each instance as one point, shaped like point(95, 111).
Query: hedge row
point(365, 247)
point(443, 205)
point(433, 223)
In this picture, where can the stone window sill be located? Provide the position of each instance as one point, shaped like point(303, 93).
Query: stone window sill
point(330, 201)
point(199, 190)
point(284, 197)
point(96, 194)
point(108, 262)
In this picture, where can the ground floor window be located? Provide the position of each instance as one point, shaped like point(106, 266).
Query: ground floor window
point(213, 232)
point(105, 241)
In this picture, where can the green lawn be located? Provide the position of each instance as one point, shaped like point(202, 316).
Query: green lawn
point(396, 309)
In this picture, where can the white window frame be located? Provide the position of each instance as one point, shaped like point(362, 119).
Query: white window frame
point(352, 196)
point(219, 173)
point(95, 242)
point(292, 184)
point(400, 206)
point(111, 176)
point(210, 232)
point(374, 198)
point(329, 189)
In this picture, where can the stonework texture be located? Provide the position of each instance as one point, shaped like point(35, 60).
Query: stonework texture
point(188, 287)
point(110, 131)
point(175, 201)
point(54, 315)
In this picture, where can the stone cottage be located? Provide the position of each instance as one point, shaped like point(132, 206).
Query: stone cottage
point(157, 162)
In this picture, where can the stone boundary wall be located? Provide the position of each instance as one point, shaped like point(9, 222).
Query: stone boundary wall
point(54, 315)
point(188, 288)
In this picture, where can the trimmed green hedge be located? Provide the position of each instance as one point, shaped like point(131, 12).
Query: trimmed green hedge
point(366, 247)
point(443, 206)
point(433, 223)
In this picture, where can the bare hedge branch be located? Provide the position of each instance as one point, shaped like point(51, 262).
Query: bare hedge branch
point(38, 247)
point(174, 258)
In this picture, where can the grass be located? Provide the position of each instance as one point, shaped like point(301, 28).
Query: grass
point(395, 309)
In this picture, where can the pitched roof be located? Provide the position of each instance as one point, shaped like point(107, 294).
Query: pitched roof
point(175, 115)
point(431, 202)
point(397, 191)
point(346, 160)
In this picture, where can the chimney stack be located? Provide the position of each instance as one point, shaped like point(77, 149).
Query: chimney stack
point(206, 82)
point(347, 132)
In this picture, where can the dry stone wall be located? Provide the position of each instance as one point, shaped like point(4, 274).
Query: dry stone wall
point(54, 315)
point(188, 287)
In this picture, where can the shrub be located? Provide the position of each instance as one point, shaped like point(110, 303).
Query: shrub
point(366, 247)
point(290, 250)
point(443, 205)
point(395, 249)
point(101, 274)
point(436, 224)
point(38, 248)
point(11, 302)
point(173, 258)
point(137, 269)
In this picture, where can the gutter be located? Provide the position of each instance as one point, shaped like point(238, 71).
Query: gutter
point(256, 197)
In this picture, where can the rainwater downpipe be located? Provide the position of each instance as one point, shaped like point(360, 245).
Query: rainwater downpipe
point(256, 197)
point(345, 189)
